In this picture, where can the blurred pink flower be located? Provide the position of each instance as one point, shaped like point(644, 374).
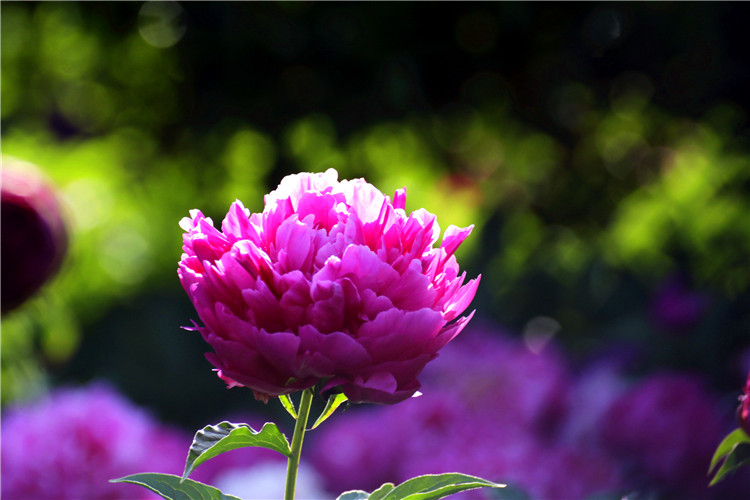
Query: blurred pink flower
point(333, 283)
point(667, 427)
point(34, 238)
point(491, 408)
point(677, 307)
point(743, 412)
point(71, 443)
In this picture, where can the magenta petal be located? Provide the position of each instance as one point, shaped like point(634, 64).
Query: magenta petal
point(264, 308)
point(365, 269)
point(237, 224)
point(327, 312)
point(295, 298)
point(399, 199)
point(294, 243)
point(340, 348)
point(412, 290)
point(462, 299)
point(279, 349)
point(321, 207)
point(453, 237)
point(373, 304)
point(449, 332)
point(234, 359)
point(396, 334)
point(378, 390)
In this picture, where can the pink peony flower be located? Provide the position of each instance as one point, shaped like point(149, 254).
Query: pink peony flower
point(333, 283)
point(69, 444)
point(743, 411)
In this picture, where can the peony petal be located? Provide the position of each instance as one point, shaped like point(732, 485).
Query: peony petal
point(461, 300)
point(237, 226)
point(322, 207)
point(397, 335)
point(295, 298)
point(453, 237)
point(449, 332)
point(325, 355)
point(399, 199)
point(377, 391)
point(373, 304)
point(264, 308)
point(412, 290)
point(294, 241)
point(327, 312)
point(280, 349)
point(365, 269)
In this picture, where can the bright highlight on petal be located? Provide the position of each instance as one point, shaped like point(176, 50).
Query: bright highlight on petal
point(332, 284)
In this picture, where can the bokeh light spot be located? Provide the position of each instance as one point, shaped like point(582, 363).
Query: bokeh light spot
point(161, 24)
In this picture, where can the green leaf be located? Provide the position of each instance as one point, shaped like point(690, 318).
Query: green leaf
point(214, 440)
point(381, 492)
point(174, 487)
point(428, 487)
point(354, 495)
point(334, 401)
point(727, 445)
point(735, 450)
point(288, 405)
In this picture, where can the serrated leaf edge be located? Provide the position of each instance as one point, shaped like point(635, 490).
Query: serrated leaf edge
point(191, 465)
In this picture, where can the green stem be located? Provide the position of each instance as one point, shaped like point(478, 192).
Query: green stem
point(297, 438)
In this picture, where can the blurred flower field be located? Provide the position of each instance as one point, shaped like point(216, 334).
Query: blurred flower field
point(601, 151)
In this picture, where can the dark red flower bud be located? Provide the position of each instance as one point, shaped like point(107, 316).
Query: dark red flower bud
point(34, 239)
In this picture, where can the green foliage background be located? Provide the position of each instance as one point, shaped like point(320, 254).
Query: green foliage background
point(598, 148)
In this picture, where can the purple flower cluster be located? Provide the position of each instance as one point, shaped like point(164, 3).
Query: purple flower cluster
point(494, 409)
point(71, 443)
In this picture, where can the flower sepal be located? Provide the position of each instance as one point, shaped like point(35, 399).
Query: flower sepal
point(334, 401)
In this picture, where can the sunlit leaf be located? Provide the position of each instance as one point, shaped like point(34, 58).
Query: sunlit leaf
point(735, 450)
point(428, 487)
point(727, 444)
point(213, 440)
point(174, 487)
point(288, 405)
point(354, 495)
point(334, 401)
point(382, 491)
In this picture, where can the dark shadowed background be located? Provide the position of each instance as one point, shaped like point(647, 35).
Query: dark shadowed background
point(600, 149)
